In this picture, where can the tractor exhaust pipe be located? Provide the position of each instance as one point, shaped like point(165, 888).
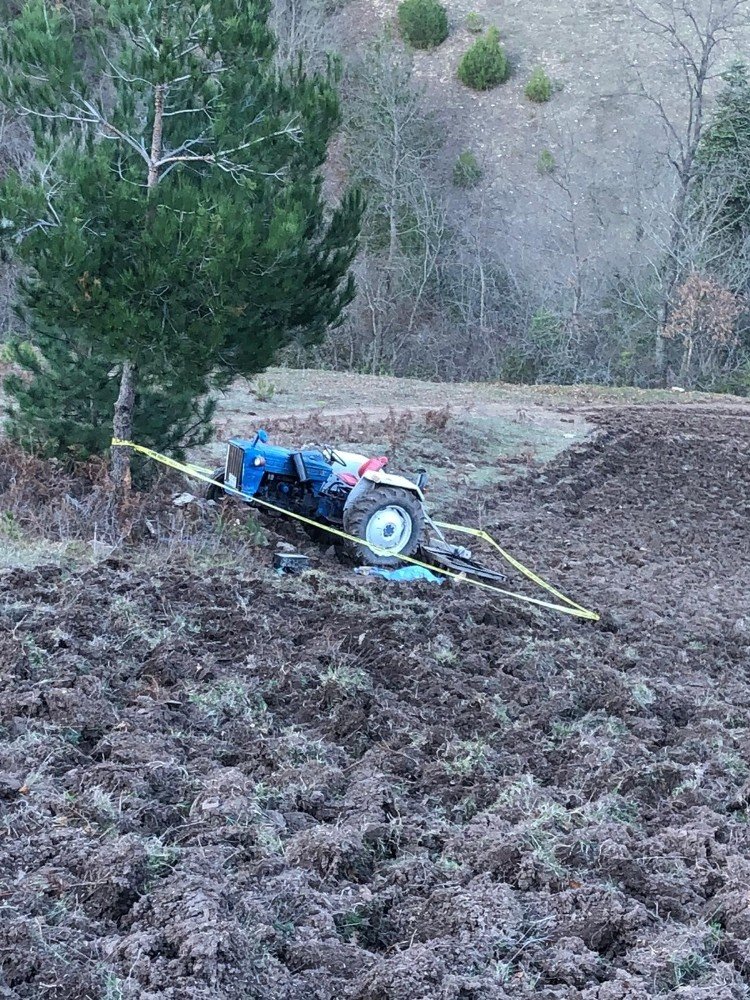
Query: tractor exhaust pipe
point(299, 467)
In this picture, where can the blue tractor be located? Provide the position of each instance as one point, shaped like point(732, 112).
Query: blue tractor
point(346, 491)
point(350, 492)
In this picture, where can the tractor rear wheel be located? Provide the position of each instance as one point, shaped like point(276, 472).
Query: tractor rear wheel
point(387, 517)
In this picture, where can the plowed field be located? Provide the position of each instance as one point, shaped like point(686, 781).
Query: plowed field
point(219, 783)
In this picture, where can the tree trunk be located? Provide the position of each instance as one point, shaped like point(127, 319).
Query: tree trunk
point(156, 137)
point(687, 359)
point(389, 282)
point(686, 173)
point(123, 422)
point(123, 428)
point(671, 274)
point(660, 347)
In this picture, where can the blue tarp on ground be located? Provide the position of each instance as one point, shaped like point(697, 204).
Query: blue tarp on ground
point(404, 574)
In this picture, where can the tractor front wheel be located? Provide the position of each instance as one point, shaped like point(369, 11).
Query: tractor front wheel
point(390, 519)
point(213, 491)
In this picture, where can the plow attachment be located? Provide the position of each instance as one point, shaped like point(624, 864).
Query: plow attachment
point(459, 560)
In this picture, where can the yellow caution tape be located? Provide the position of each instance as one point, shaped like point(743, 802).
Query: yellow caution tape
point(512, 561)
point(568, 607)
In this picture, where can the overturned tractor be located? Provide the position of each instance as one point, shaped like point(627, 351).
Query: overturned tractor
point(347, 492)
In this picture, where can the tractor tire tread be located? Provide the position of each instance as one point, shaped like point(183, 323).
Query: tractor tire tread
point(213, 492)
point(355, 518)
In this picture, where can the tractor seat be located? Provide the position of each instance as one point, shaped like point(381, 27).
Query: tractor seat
point(371, 465)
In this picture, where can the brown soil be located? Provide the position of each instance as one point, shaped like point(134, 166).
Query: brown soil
point(234, 785)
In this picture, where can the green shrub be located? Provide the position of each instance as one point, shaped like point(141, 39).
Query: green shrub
point(546, 162)
point(485, 64)
point(423, 23)
point(466, 170)
point(263, 389)
point(474, 23)
point(539, 87)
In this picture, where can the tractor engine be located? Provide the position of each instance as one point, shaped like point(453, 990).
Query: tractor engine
point(293, 480)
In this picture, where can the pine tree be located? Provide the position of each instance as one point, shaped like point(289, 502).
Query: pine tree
point(721, 196)
point(484, 65)
point(173, 229)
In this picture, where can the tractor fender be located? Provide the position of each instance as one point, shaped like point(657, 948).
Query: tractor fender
point(381, 478)
point(360, 487)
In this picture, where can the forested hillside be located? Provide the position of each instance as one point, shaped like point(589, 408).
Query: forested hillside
point(581, 219)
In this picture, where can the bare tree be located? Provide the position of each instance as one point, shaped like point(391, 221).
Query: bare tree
point(303, 33)
point(693, 35)
point(391, 143)
point(565, 272)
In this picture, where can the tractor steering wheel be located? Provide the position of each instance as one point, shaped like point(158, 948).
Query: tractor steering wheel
point(331, 455)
